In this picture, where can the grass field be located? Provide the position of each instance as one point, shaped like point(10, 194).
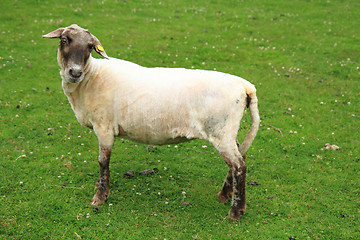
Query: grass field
point(303, 57)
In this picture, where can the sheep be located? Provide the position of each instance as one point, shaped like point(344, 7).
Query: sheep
point(117, 98)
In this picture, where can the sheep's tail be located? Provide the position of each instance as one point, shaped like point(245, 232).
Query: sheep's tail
point(252, 104)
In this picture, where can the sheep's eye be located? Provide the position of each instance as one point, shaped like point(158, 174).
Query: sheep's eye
point(63, 40)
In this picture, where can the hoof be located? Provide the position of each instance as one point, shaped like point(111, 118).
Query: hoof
point(235, 215)
point(222, 197)
point(95, 208)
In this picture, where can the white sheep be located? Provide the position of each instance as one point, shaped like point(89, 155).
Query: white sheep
point(156, 106)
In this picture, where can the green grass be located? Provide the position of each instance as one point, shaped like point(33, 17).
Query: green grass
point(303, 57)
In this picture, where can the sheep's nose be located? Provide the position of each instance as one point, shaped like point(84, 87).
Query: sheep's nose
point(75, 73)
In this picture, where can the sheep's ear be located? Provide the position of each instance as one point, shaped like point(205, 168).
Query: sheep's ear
point(54, 34)
point(99, 48)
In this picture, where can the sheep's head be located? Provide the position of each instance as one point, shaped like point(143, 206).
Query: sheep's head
point(74, 50)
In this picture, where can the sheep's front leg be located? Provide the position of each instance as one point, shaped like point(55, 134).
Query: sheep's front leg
point(103, 183)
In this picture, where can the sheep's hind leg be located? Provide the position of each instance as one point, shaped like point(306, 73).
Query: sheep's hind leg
point(238, 204)
point(103, 183)
point(238, 171)
point(225, 194)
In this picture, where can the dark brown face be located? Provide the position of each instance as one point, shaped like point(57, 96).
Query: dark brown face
point(74, 51)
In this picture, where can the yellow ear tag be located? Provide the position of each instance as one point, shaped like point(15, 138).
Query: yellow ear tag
point(99, 48)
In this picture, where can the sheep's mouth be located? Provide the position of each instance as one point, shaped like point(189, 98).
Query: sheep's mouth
point(72, 79)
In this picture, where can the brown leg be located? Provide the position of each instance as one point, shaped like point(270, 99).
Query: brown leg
point(236, 176)
point(225, 194)
point(238, 204)
point(103, 183)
